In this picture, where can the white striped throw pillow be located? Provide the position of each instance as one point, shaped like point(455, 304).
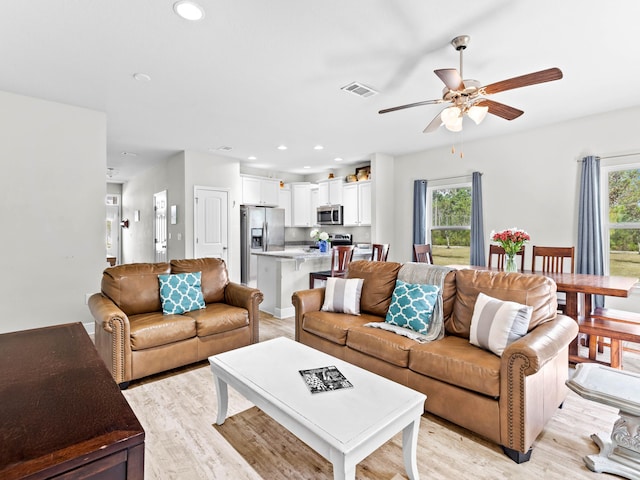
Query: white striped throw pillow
point(343, 295)
point(497, 323)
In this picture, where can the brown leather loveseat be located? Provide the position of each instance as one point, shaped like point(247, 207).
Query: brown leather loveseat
point(135, 338)
point(507, 399)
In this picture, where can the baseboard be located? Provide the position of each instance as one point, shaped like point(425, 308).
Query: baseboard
point(284, 312)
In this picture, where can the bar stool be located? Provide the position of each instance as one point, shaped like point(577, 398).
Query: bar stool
point(379, 252)
point(341, 256)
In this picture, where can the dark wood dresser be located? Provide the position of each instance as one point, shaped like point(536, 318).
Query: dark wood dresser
point(62, 416)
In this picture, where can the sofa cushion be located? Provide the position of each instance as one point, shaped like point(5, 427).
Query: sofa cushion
point(381, 344)
point(379, 282)
point(412, 305)
point(218, 318)
point(536, 291)
point(134, 287)
point(342, 295)
point(455, 361)
point(214, 275)
point(180, 292)
point(334, 326)
point(149, 330)
point(495, 323)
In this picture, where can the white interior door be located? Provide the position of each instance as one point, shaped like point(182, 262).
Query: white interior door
point(211, 223)
point(160, 226)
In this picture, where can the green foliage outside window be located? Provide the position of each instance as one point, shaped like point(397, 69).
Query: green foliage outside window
point(451, 225)
point(624, 222)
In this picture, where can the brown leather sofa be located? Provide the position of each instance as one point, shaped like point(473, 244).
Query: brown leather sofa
point(135, 339)
point(506, 399)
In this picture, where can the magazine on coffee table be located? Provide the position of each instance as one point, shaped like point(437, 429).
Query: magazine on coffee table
point(324, 379)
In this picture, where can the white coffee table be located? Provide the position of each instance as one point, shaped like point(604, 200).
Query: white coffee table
point(344, 426)
point(619, 451)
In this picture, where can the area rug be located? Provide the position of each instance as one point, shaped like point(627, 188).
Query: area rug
point(275, 453)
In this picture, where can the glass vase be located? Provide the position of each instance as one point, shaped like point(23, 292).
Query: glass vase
point(510, 263)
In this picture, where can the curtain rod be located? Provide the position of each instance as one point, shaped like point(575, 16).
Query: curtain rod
point(451, 178)
point(613, 156)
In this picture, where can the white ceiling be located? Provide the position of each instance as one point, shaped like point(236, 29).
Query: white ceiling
point(254, 74)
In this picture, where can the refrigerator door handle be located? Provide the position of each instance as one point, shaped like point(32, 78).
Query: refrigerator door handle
point(265, 240)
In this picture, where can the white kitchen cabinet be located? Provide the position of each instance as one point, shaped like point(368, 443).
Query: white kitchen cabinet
point(315, 203)
point(301, 205)
point(284, 201)
point(260, 191)
point(356, 201)
point(330, 192)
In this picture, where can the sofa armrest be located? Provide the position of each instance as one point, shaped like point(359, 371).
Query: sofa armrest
point(306, 301)
point(112, 332)
point(533, 372)
point(248, 298)
point(540, 345)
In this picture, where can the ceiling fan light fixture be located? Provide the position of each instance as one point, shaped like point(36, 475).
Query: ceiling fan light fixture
point(477, 113)
point(452, 118)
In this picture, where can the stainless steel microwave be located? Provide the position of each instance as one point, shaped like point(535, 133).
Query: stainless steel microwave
point(329, 215)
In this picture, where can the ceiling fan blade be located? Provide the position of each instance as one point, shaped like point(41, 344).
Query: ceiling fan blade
point(451, 78)
point(411, 105)
point(542, 76)
point(434, 125)
point(500, 109)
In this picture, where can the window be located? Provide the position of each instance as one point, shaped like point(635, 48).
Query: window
point(449, 223)
point(621, 219)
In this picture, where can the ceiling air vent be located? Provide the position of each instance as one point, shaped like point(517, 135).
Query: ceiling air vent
point(359, 89)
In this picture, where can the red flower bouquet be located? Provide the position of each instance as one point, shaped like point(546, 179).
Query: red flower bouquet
point(511, 240)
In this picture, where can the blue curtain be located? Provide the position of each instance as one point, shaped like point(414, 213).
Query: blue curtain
point(477, 222)
point(590, 251)
point(419, 212)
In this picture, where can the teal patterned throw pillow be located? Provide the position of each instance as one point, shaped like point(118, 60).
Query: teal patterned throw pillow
point(412, 305)
point(181, 292)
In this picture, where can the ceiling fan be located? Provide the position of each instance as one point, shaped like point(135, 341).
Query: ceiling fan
point(467, 96)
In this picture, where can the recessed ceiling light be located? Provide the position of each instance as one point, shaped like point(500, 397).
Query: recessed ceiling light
point(142, 77)
point(225, 148)
point(337, 159)
point(189, 10)
point(252, 158)
point(306, 166)
point(282, 147)
point(318, 147)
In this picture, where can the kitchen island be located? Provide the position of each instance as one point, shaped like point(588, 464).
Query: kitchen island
point(282, 273)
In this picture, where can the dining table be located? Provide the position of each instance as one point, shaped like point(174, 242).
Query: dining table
point(580, 288)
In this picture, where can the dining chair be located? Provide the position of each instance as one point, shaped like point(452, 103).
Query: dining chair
point(422, 253)
point(499, 253)
point(341, 256)
point(379, 252)
point(553, 260)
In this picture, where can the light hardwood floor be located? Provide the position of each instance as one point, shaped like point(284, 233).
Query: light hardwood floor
point(178, 410)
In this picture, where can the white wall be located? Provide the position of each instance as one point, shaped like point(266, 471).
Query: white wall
point(137, 194)
point(530, 180)
point(383, 205)
point(52, 205)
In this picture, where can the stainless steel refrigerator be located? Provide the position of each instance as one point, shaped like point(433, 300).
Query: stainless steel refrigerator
point(261, 230)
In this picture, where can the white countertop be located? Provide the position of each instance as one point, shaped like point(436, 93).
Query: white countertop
point(310, 253)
